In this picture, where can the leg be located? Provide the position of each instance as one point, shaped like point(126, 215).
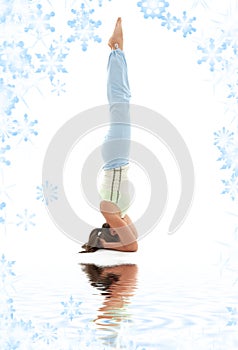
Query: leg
point(116, 145)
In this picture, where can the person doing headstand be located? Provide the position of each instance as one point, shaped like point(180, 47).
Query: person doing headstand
point(118, 233)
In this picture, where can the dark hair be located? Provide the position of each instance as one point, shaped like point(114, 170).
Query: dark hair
point(94, 273)
point(94, 244)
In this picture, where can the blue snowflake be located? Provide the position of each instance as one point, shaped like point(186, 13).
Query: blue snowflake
point(7, 128)
point(234, 316)
point(48, 333)
point(71, 308)
point(100, 2)
point(25, 129)
point(153, 8)
point(6, 268)
point(3, 160)
point(26, 220)
point(169, 21)
point(2, 206)
point(88, 335)
point(51, 63)
point(58, 87)
point(6, 9)
point(15, 59)
point(6, 309)
point(229, 156)
point(83, 27)
point(39, 23)
point(47, 193)
point(223, 138)
point(20, 335)
point(233, 91)
point(212, 53)
point(231, 187)
point(185, 25)
point(8, 99)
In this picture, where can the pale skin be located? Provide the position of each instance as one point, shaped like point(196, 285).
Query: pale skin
point(111, 212)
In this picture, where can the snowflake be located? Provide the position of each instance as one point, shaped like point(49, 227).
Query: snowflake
point(39, 23)
point(3, 160)
point(228, 23)
point(234, 313)
point(212, 53)
point(26, 220)
point(223, 138)
point(7, 98)
point(7, 128)
point(169, 21)
point(6, 9)
point(185, 25)
point(20, 335)
point(48, 333)
point(71, 308)
point(6, 268)
point(233, 91)
point(229, 156)
point(231, 187)
point(84, 27)
point(47, 192)
point(14, 59)
point(153, 8)
point(26, 128)
point(52, 61)
point(6, 309)
point(58, 87)
point(100, 2)
point(87, 336)
point(2, 206)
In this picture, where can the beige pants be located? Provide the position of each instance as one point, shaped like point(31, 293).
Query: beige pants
point(115, 187)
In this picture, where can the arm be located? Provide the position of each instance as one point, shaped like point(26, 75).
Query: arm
point(132, 226)
point(133, 247)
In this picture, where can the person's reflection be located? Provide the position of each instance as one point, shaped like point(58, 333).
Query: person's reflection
point(118, 284)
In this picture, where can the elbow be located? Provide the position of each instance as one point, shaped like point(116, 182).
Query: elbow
point(133, 247)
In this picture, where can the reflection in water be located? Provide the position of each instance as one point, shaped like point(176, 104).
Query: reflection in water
point(117, 284)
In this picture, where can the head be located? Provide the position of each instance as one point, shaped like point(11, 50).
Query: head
point(103, 232)
point(98, 278)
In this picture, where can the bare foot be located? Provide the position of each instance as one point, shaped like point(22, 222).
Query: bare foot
point(116, 40)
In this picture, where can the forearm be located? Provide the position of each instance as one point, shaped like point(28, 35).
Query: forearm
point(118, 246)
point(131, 225)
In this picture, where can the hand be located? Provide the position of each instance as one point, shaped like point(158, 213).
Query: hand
point(102, 242)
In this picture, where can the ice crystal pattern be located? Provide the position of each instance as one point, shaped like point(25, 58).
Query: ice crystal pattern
point(47, 333)
point(83, 27)
point(3, 159)
point(227, 144)
point(71, 308)
point(51, 62)
point(212, 54)
point(2, 206)
point(39, 23)
point(6, 9)
point(47, 192)
point(233, 321)
point(8, 99)
point(26, 128)
point(15, 60)
point(25, 220)
point(153, 8)
point(184, 24)
point(6, 268)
